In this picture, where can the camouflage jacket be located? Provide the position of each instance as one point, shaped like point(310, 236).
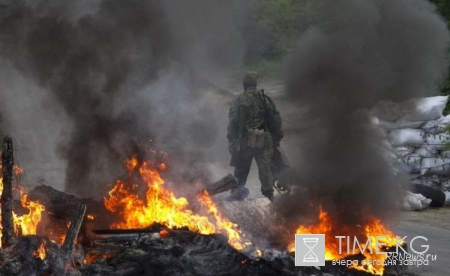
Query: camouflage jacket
point(250, 109)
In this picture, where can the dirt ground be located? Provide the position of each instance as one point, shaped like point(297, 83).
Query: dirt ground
point(436, 217)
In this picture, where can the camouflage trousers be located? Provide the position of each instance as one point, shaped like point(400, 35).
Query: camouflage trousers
point(242, 162)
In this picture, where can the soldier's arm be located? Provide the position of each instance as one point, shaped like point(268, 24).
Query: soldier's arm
point(277, 123)
point(233, 121)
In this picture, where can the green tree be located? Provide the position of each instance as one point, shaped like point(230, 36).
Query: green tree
point(283, 19)
point(443, 7)
point(274, 27)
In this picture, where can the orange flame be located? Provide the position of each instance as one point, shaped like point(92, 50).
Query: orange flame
point(162, 206)
point(223, 224)
point(25, 224)
point(370, 231)
point(88, 259)
point(41, 252)
point(163, 233)
point(28, 222)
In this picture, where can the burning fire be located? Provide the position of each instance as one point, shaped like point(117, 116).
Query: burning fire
point(41, 251)
point(25, 224)
point(371, 230)
point(91, 258)
point(160, 205)
point(223, 224)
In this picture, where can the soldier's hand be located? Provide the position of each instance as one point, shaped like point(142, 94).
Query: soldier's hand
point(276, 143)
point(233, 147)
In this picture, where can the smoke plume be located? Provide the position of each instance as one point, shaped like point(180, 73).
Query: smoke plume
point(357, 53)
point(117, 74)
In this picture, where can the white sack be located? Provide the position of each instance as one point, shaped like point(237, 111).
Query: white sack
point(446, 185)
point(431, 181)
point(411, 163)
point(435, 165)
point(413, 110)
point(406, 137)
point(427, 109)
point(426, 151)
point(445, 154)
point(399, 124)
point(437, 140)
point(437, 126)
point(403, 151)
point(415, 202)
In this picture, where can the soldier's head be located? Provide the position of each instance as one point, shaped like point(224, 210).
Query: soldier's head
point(250, 80)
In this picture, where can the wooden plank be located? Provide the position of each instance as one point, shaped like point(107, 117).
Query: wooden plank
point(225, 184)
point(74, 228)
point(69, 241)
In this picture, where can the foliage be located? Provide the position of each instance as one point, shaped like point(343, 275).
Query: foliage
point(284, 19)
point(443, 7)
point(274, 27)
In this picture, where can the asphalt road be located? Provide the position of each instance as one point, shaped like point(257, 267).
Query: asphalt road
point(439, 242)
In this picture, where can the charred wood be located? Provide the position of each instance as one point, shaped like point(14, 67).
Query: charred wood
point(153, 229)
point(7, 195)
point(74, 228)
point(225, 184)
point(69, 241)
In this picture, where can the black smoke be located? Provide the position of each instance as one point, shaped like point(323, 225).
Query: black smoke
point(123, 72)
point(357, 53)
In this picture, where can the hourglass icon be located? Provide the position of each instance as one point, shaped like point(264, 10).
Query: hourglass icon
point(310, 256)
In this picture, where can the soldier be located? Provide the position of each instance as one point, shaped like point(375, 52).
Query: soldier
point(254, 130)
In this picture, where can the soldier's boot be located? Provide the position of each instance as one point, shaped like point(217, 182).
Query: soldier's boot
point(238, 194)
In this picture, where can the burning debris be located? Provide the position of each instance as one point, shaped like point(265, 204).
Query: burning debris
point(150, 231)
point(117, 69)
point(17, 219)
point(161, 206)
point(369, 231)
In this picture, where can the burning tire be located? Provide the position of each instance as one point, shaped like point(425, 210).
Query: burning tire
point(437, 196)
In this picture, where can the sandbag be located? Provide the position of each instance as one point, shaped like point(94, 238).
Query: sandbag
point(406, 137)
point(445, 153)
point(445, 185)
point(415, 202)
point(427, 109)
point(440, 166)
point(399, 124)
point(411, 163)
point(437, 126)
point(439, 141)
point(427, 151)
point(433, 181)
point(403, 151)
point(413, 110)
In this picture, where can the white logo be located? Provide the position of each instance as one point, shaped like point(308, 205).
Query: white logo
point(310, 250)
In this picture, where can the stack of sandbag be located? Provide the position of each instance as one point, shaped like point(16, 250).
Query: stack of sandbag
point(417, 131)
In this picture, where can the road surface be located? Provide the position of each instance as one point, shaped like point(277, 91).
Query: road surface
point(434, 224)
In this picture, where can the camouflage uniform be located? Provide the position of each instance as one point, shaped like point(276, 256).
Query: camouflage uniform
point(249, 112)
